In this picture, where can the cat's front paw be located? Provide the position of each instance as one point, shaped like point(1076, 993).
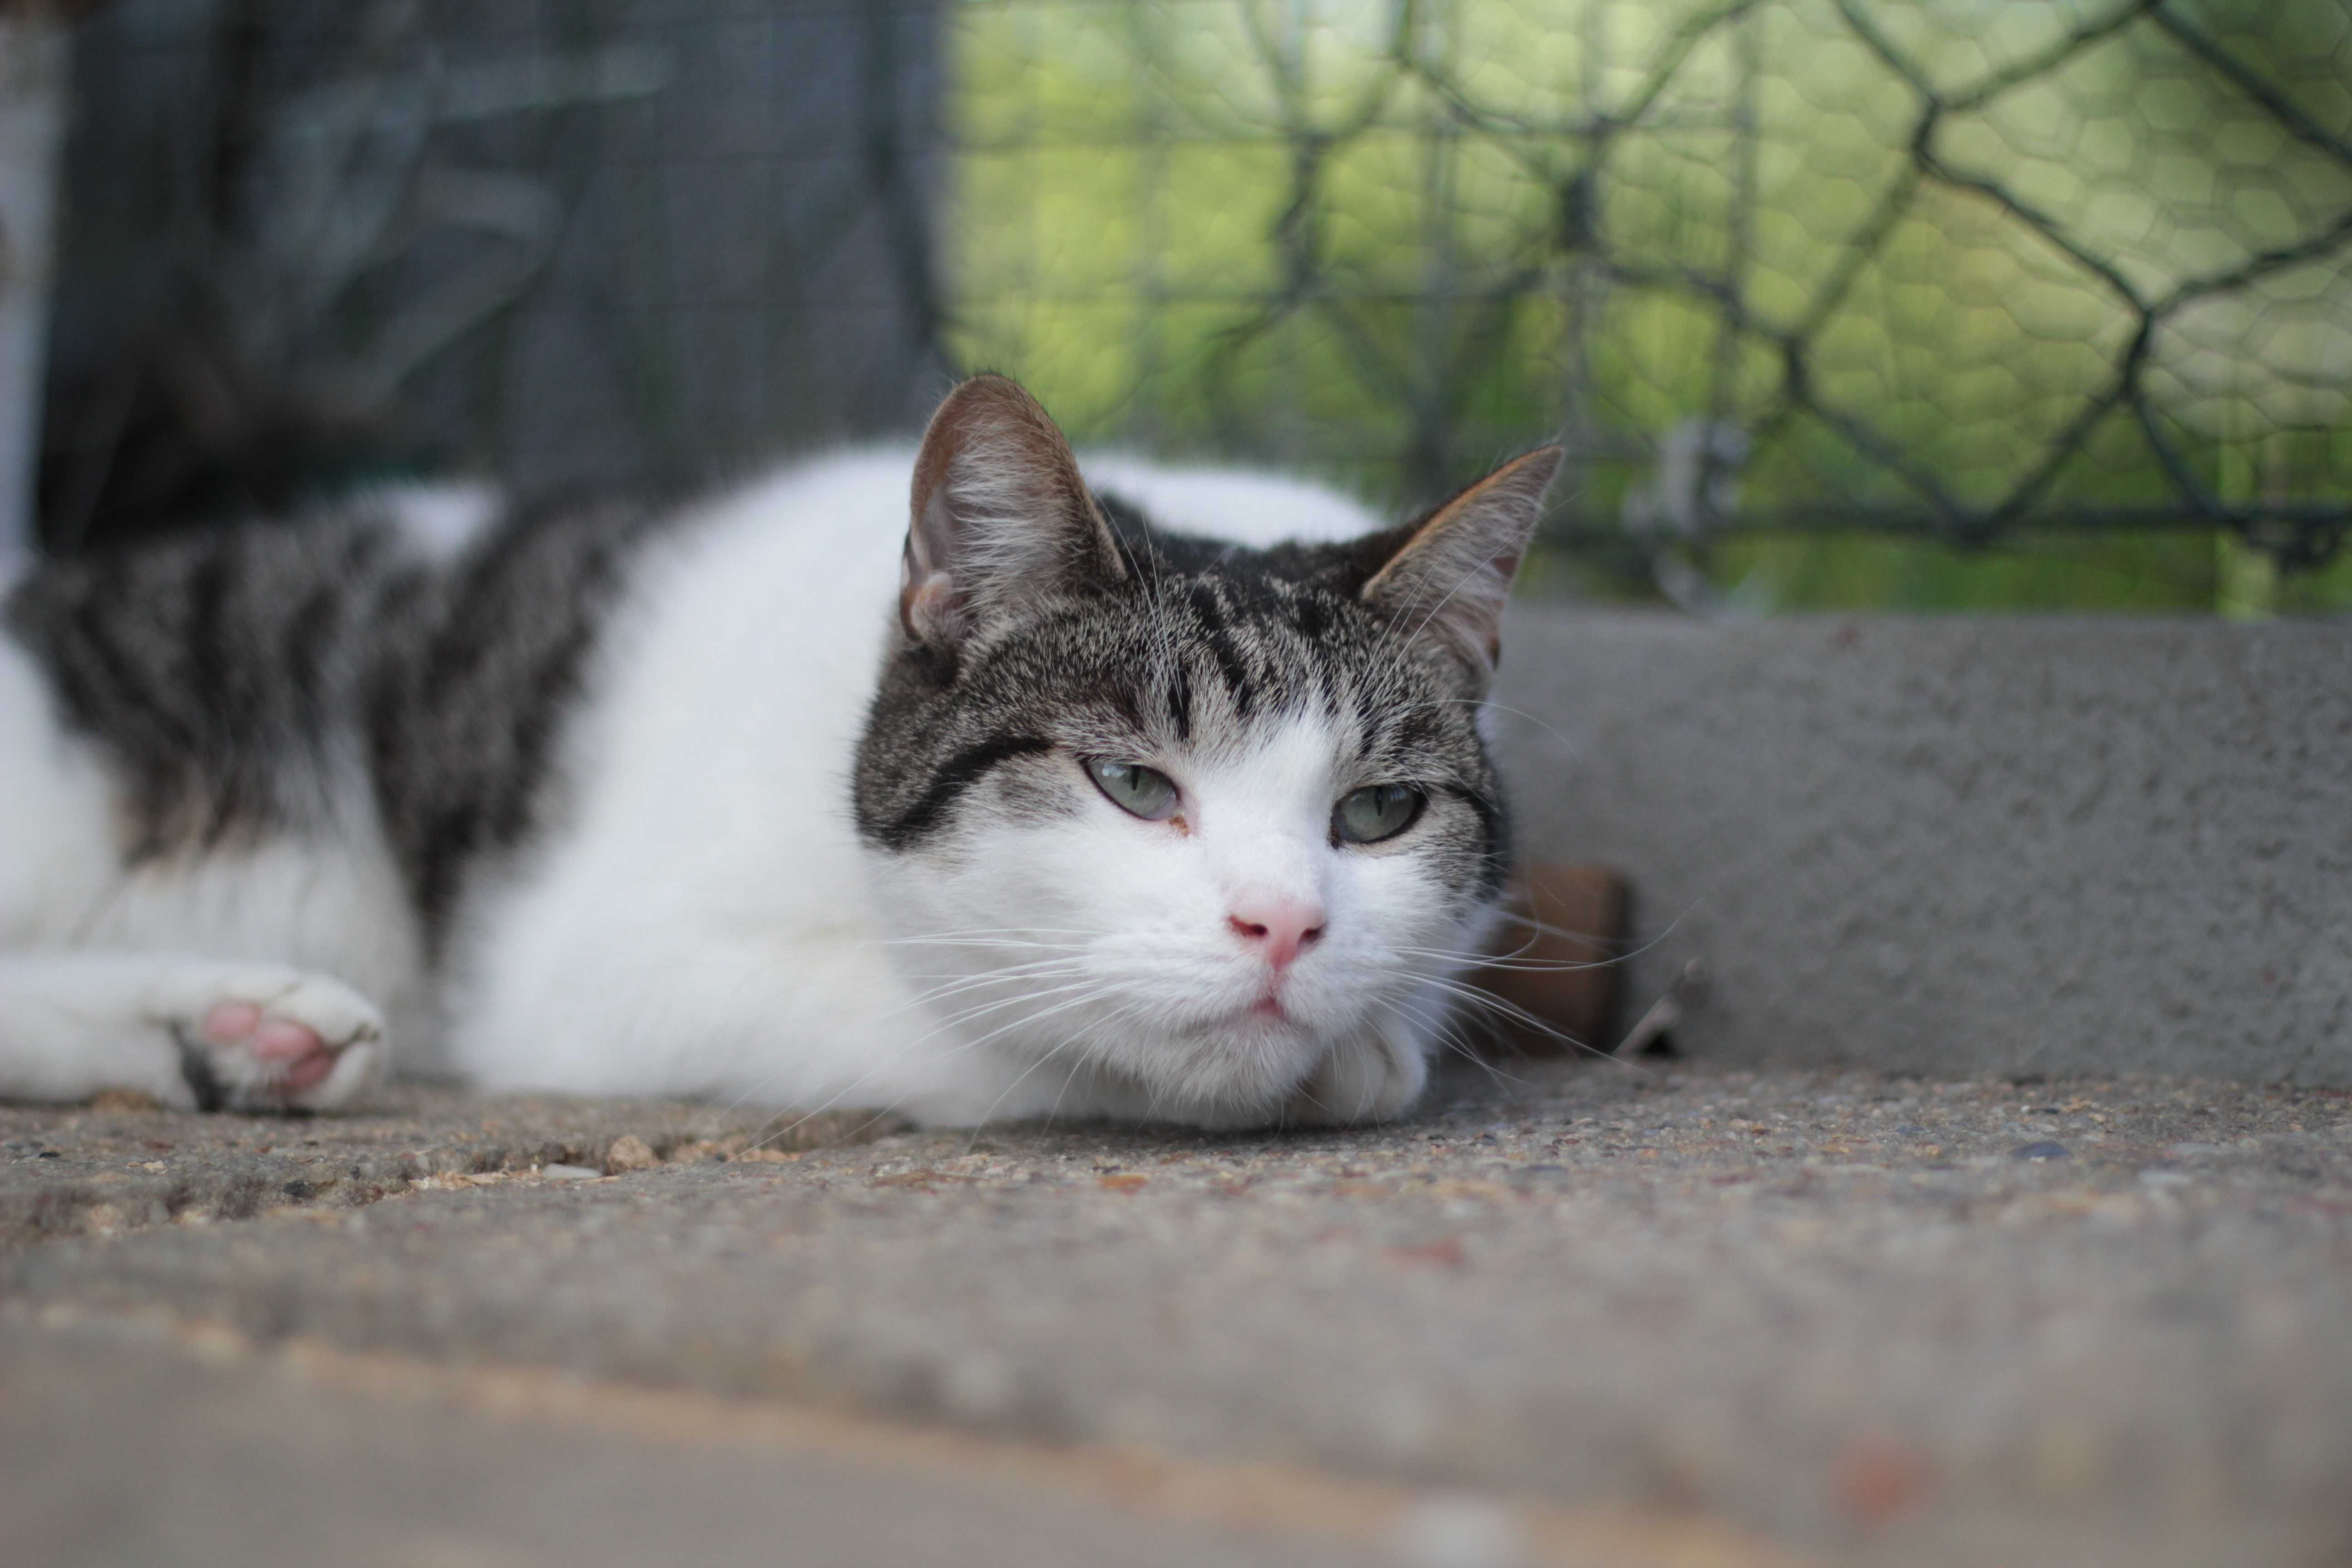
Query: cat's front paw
point(262, 1038)
point(1373, 1078)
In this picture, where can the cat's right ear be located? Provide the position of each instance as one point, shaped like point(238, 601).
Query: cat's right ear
point(1451, 572)
point(1001, 518)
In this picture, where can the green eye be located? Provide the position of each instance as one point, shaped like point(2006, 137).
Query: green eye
point(1146, 792)
point(1375, 812)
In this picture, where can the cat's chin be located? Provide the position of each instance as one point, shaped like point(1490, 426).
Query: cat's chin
point(1285, 1023)
point(1257, 1073)
point(1374, 1076)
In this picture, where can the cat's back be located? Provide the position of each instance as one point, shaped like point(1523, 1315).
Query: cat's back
point(390, 674)
point(184, 755)
point(216, 671)
point(702, 831)
point(1253, 506)
point(470, 664)
point(723, 695)
point(750, 637)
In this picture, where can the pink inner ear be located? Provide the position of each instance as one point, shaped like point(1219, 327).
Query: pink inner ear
point(927, 608)
point(988, 436)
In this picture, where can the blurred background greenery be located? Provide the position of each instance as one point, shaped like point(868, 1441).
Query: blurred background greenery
point(1975, 303)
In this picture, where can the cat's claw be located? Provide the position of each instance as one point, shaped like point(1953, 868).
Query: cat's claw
point(268, 1039)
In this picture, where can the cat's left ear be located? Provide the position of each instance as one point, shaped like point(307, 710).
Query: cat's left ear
point(1449, 576)
point(1001, 518)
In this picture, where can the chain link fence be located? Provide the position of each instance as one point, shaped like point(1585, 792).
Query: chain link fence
point(1814, 291)
point(1959, 273)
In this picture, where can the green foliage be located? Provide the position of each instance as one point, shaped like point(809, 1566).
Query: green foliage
point(1392, 243)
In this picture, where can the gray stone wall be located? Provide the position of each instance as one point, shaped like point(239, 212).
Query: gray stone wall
point(1970, 845)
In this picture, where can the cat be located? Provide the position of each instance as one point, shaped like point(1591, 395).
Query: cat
point(1162, 797)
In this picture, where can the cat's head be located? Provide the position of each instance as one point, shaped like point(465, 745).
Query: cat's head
point(1172, 812)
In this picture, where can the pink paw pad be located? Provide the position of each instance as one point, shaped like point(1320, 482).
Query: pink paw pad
point(278, 1041)
point(307, 1060)
point(231, 1022)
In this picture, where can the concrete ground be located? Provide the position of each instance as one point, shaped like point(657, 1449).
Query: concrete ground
point(1577, 1314)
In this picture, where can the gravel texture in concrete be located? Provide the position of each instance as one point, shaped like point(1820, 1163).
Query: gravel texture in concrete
point(1875, 1318)
point(122, 1162)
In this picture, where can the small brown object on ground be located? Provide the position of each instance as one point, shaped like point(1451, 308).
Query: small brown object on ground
point(126, 1102)
point(629, 1152)
point(1555, 960)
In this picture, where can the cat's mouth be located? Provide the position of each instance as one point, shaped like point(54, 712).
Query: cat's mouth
point(1271, 1007)
point(1278, 1007)
point(1268, 1012)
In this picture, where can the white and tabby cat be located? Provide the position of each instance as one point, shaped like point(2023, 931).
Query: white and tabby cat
point(1050, 808)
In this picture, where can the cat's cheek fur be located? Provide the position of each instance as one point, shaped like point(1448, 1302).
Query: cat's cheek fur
point(1375, 1063)
point(1097, 922)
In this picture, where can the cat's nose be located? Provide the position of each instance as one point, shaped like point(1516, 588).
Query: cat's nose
point(1277, 927)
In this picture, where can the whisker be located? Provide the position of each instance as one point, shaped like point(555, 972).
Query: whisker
point(1079, 1034)
point(1665, 931)
point(1486, 1000)
point(1541, 966)
point(1444, 1030)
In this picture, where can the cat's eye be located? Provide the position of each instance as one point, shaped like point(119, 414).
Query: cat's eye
point(1375, 812)
point(1146, 792)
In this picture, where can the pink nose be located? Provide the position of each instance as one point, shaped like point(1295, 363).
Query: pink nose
point(1278, 928)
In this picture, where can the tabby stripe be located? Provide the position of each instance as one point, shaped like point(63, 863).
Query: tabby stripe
point(1494, 850)
point(962, 771)
point(1230, 665)
point(1180, 700)
point(217, 693)
point(125, 686)
point(548, 695)
point(233, 711)
point(471, 626)
point(303, 651)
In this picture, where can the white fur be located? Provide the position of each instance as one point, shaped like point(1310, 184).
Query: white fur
point(57, 847)
point(704, 919)
point(438, 521)
point(1240, 504)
